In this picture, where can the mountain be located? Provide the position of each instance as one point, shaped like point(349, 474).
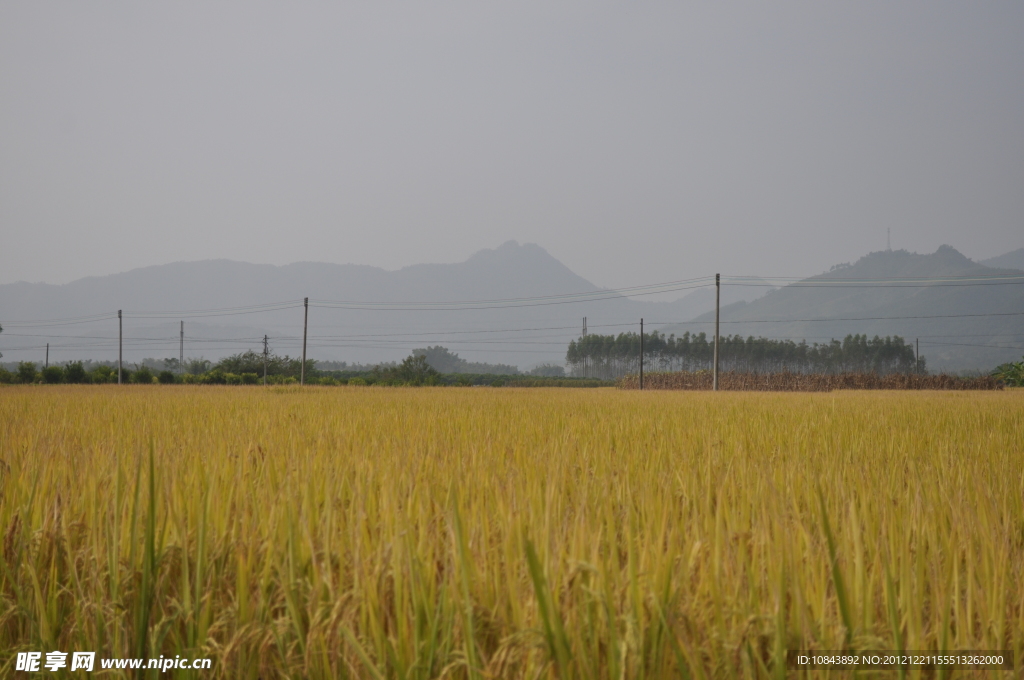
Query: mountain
point(960, 327)
point(1011, 260)
point(817, 309)
point(34, 314)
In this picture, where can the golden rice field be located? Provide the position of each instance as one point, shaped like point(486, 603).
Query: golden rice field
point(507, 533)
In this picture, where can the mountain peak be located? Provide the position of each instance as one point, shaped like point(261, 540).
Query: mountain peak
point(946, 261)
point(509, 250)
point(951, 255)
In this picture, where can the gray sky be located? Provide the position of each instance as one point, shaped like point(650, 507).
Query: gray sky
point(635, 142)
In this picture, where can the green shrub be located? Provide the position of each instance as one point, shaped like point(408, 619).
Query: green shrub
point(356, 381)
point(165, 378)
point(1012, 374)
point(143, 376)
point(214, 377)
point(75, 373)
point(232, 379)
point(6, 377)
point(27, 372)
point(104, 374)
point(52, 375)
point(250, 378)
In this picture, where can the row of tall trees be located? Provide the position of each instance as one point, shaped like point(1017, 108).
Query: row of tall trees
point(611, 356)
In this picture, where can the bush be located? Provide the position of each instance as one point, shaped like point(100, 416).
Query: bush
point(6, 377)
point(356, 381)
point(75, 373)
point(165, 378)
point(1012, 374)
point(143, 376)
point(26, 372)
point(232, 379)
point(104, 374)
point(53, 375)
point(214, 377)
point(250, 378)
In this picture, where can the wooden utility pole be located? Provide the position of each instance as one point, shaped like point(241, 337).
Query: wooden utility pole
point(181, 349)
point(47, 364)
point(119, 346)
point(585, 372)
point(641, 353)
point(264, 361)
point(305, 326)
point(718, 290)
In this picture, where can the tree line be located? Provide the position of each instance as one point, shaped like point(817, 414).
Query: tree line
point(612, 356)
point(238, 369)
point(247, 368)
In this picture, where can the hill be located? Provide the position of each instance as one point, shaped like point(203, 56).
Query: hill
point(481, 333)
point(818, 309)
point(960, 327)
point(1011, 260)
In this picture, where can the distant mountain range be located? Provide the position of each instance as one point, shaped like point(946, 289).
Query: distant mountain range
point(534, 333)
point(1011, 260)
point(484, 332)
point(960, 327)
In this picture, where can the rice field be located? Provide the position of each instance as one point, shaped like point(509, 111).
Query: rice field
point(806, 382)
point(413, 533)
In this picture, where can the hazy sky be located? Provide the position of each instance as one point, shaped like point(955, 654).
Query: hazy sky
point(636, 142)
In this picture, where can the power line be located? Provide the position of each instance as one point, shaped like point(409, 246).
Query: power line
point(964, 344)
point(809, 284)
point(511, 303)
point(543, 300)
point(858, 318)
point(791, 280)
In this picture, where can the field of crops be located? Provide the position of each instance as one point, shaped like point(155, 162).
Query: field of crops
point(498, 532)
point(806, 382)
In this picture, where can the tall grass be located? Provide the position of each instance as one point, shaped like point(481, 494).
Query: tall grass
point(420, 533)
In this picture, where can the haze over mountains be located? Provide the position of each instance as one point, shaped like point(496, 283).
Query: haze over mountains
point(494, 333)
point(960, 324)
point(1012, 260)
point(155, 298)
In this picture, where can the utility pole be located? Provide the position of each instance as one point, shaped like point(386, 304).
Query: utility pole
point(119, 346)
point(181, 349)
point(641, 353)
point(718, 296)
point(888, 239)
point(264, 361)
point(917, 353)
point(305, 326)
point(47, 364)
point(584, 349)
